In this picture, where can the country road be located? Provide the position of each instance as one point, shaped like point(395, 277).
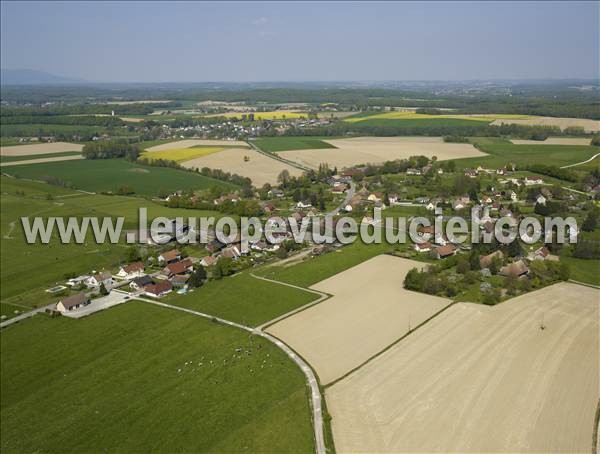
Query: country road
point(349, 194)
point(27, 314)
point(308, 372)
point(582, 162)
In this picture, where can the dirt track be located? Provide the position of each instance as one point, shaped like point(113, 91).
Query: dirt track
point(363, 150)
point(39, 148)
point(369, 311)
point(260, 168)
point(481, 379)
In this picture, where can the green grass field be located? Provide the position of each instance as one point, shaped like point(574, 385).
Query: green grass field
point(139, 378)
point(503, 152)
point(9, 159)
point(107, 175)
point(28, 269)
point(274, 144)
point(244, 299)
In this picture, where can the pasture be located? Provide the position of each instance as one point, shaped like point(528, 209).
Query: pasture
point(481, 379)
point(502, 152)
point(364, 150)
point(283, 143)
point(369, 311)
point(180, 154)
point(76, 386)
point(244, 299)
point(39, 149)
point(108, 175)
point(249, 163)
point(28, 269)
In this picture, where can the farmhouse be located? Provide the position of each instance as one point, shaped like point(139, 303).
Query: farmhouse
point(413, 171)
point(486, 260)
point(72, 302)
point(170, 256)
point(132, 270)
point(422, 247)
point(173, 269)
point(158, 290)
point(98, 279)
point(515, 269)
point(442, 252)
point(140, 282)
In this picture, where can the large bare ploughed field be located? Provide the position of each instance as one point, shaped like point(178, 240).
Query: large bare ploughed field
point(363, 150)
point(259, 168)
point(39, 148)
point(481, 379)
point(562, 123)
point(187, 143)
point(369, 310)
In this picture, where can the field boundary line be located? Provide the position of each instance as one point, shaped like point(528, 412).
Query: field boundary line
point(595, 433)
point(584, 284)
point(310, 375)
point(279, 158)
point(322, 297)
point(381, 352)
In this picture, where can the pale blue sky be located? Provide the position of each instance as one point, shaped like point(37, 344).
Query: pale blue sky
point(271, 41)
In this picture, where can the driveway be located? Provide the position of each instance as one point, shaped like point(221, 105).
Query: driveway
point(114, 298)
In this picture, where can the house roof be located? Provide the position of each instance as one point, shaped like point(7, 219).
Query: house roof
point(515, 269)
point(209, 260)
point(103, 276)
point(486, 260)
point(448, 249)
point(181, 279)
point(423, 246)
point(74, 300)
point(142, 281)
point(543, 251)
point(158, 288)
point(170, 255)
point(178, 267)
point(133, 267)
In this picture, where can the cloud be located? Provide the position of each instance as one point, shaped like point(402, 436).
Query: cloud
point(260, 21)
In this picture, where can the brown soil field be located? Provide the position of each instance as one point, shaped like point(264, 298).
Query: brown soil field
point(260, 168)
point(194, 142)
point(363, 150)
point(370, 310)
point(481, 379)
point(39, 148)
point(554, 141)
point(40, 160)
point(562, 123)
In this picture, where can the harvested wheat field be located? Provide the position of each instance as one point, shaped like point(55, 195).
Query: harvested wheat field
point(40, 160)
point(259, 168)
point(369, 310)
point(562, 123)
point(363, 150)
point(198, 142)
point(39, 148)
point(554, 141)
point(481, 379)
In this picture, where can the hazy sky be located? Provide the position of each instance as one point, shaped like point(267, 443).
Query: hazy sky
point(269, 41)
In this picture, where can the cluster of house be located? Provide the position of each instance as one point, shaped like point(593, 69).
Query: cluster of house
point(440, 247)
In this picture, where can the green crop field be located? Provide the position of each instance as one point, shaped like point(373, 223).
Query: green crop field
point(9, 159)
point(139, 378)
point(108, 175)
point(244, 299)
point(503, 152)
point(274, 144)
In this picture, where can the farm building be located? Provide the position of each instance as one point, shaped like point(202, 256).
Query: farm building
point(442, 252)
